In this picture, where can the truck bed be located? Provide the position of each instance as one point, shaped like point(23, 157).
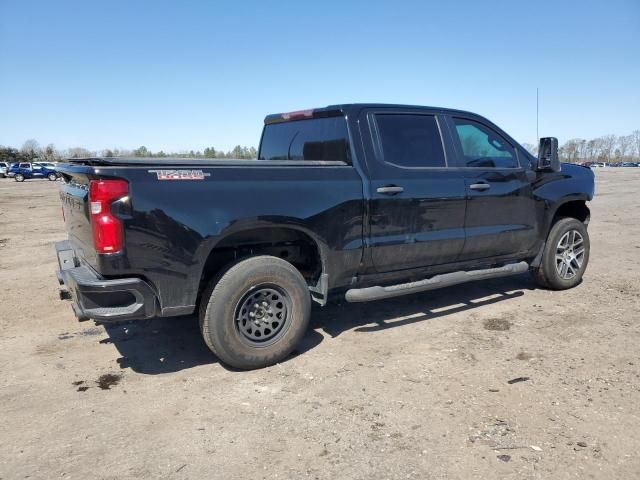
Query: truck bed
point(196, 162)
point(178, 210)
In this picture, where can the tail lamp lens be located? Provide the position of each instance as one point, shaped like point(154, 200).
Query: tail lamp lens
point(107, 228)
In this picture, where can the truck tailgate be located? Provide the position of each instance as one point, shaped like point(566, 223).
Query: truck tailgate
point(74, 195)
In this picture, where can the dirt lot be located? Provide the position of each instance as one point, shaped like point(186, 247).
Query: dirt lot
point(415, 387)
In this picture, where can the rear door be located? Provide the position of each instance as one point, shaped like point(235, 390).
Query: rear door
point(500, 218)
point(24, 169)
point(417, 204)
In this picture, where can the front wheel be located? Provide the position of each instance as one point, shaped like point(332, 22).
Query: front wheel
point(255, 313)
point(19, 177)
point(565, 255)
point(52, 177)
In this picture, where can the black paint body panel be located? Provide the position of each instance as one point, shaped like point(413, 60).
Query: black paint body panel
point(435, 225)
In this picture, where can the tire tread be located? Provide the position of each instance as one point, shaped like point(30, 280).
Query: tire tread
point(549, 279)
point(218, 287)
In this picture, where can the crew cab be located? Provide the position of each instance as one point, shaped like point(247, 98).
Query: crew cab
point(360, 201)
point(26, 170)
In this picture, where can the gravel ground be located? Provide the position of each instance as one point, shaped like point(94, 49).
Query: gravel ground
point(415, 387)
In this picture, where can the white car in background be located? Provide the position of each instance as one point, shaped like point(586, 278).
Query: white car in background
point(4, 166)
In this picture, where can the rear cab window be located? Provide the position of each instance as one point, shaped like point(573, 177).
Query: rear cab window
point(314, 139)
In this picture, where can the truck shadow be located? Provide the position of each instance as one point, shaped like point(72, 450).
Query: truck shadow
point(165, 345)
point(418, 307)
point(159, 345)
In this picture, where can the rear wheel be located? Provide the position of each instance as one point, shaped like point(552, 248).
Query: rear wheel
point(256, 312)
point(19, 177)
point(565, 256)
point(52, 177)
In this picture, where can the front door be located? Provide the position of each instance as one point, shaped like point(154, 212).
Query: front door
point(417, 204)
point(37, 171)
point(500, 218)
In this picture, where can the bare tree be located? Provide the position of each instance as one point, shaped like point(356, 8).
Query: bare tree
point(79, 152)
point(608, 143)
point(636, 141)
point(625, 146)
point(31, 148)
point(595, 146)
point(590, 150)
point(581, 149)
point(50, 154)
point(569, 151)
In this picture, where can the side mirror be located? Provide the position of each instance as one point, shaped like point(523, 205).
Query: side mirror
point(548, 159)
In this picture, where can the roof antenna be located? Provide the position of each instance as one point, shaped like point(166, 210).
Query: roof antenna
point(537, 114)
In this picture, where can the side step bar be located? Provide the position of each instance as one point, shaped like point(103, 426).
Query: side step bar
point(439, 281)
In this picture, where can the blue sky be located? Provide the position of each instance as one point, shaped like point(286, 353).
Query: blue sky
point(178, 75)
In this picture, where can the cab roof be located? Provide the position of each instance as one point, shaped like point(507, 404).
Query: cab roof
point(350, 108)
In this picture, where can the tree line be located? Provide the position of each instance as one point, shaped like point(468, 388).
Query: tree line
point(32, 151)
point(608, 148)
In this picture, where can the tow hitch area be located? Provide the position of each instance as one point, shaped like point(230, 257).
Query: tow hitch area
point(65, 294)
point(100, 299)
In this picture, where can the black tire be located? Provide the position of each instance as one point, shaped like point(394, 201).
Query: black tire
point(19, 177)
point(52, 177)
point(225, 327)
point(547, 274)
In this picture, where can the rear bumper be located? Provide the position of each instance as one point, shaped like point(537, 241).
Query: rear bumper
point(100, 299)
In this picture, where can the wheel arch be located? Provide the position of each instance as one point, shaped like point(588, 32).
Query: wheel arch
point(571, 207)
point(291, 242)
point(574, 208)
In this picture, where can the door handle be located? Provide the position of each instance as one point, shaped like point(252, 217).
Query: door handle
point(390, 189)
point(480, 186)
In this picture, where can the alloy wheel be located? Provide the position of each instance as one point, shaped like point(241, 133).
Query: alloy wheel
point(570, 254)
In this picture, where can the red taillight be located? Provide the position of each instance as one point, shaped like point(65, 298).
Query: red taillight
point(107, 228)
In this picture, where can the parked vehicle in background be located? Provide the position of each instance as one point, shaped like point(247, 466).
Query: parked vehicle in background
point(49, 165)
point(27, 170)
point(598, 165)
point(4, 166)
point(365, 201)
point(629, 164)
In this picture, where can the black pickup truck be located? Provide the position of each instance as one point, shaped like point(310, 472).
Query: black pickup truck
point(367, 201)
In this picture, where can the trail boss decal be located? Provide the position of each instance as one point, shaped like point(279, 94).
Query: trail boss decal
point(180, 174)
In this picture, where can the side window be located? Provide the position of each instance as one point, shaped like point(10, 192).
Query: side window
point(410, 140)
point(313, 139)
point(482, 147)
point(24, 165)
